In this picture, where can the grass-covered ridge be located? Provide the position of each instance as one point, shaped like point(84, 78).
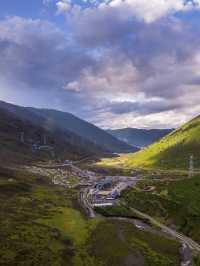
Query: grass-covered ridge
point(171, 152)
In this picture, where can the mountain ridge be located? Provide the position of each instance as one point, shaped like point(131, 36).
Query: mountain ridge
point(22, 141)
point(53, 120)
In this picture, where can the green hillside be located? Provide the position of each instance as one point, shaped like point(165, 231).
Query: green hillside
point(171, 152)
point(80, 132)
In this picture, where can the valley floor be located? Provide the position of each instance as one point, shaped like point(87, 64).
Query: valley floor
point(42, 222)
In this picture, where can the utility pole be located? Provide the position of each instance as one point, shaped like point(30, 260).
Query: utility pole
point(22, 137)
point(45, 140)
point(53, 154)
point(191, 166)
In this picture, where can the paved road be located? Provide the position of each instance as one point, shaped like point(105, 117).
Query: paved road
point(182, 238)
point(85, 203)
point(186, 255)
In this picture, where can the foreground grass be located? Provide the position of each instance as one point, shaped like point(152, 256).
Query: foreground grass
point(23, 240)
point(71, 223)
point(38, 222)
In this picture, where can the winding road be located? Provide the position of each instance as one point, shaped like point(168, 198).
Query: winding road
point(182, 238)
point(86, 204)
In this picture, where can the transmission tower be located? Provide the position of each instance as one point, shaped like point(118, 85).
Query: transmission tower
point(22, 137)
point(45, 140)
point(191, 166)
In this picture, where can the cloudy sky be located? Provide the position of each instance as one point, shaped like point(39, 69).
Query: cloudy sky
point(115, 63)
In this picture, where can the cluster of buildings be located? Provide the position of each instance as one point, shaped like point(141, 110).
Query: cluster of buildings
point(104, 193)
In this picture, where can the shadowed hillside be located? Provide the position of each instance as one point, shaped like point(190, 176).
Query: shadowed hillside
point(23, 141)
point(53, 120)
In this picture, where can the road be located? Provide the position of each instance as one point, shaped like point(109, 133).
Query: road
point(182, 238)
point(85, 203)
point(186, 255)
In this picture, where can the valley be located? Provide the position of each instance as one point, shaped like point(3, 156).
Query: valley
point(63, 203)
point(99, 133)
point(99, 193)
point(43, 205)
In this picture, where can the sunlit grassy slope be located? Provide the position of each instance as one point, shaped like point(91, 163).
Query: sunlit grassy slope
point(171, 152)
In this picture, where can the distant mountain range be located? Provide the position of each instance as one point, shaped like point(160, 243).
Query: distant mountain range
point(68, 134)
point(139, 137)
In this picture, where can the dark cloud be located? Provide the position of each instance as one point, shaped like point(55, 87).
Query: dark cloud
point(95, 28)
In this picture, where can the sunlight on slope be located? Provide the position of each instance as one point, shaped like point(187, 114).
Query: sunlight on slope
point(173, 151)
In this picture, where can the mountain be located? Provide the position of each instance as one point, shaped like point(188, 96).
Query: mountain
point(139, 137)
point(24, 141)
point(171, 152)
point(82, 132)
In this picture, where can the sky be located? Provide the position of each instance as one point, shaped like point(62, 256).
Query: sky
point(114, 63)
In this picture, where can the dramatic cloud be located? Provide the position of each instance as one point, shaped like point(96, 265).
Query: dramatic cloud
point(115, 63)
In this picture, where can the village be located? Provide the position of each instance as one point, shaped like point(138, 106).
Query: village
point(101, 190)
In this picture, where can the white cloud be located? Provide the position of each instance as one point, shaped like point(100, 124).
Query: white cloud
point(152, 10)
point(73, 86)
point(63, 6)
point(145, 10)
